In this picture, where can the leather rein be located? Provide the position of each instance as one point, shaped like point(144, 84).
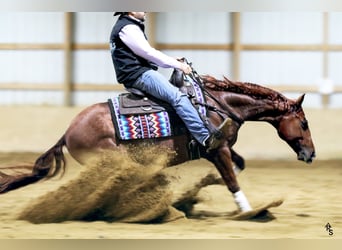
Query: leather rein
point(196, 78)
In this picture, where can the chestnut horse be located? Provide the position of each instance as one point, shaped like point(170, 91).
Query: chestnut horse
point(92, 131)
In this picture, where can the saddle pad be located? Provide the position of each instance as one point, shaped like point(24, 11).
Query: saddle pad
point(139, 126)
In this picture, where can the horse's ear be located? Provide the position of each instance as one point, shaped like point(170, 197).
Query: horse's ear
point(300, 100)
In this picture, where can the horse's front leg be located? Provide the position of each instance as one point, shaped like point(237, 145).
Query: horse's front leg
point(223, 162)
point(239, 162)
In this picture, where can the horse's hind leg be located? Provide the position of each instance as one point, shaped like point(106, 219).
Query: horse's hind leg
point(239, 162)
point(223, 162)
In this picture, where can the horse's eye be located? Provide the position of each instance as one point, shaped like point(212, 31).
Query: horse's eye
point(305, 125)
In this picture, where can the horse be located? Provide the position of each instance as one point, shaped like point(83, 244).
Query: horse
point(92, 132)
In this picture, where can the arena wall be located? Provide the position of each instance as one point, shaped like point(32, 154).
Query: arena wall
point(63, 59)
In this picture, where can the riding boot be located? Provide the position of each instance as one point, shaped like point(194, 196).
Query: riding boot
point(217, 138)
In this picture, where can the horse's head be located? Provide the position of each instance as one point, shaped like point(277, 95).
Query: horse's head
point(294, 129)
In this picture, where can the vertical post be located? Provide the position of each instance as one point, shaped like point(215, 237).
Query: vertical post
point(325, 96)
point(236, 45)
point(151, 19)
point(67, 86)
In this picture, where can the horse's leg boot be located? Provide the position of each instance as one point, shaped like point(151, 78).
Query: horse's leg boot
point(217, 138)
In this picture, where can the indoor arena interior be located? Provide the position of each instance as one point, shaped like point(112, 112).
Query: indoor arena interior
point(55, 64)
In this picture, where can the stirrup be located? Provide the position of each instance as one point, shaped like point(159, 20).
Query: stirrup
point(217, 139)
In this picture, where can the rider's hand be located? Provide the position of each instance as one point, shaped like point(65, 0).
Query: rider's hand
point(186, 68)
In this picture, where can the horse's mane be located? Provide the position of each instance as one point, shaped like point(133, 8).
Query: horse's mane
point(253, 90)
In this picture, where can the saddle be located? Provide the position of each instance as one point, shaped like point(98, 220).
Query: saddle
point(138, 102)
point(136, 115)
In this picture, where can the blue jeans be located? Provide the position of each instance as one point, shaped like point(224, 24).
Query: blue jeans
point(155, 84)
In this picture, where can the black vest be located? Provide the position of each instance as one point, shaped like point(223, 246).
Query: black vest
point(128, 66)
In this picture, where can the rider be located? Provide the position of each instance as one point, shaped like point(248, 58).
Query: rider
point(136, 64)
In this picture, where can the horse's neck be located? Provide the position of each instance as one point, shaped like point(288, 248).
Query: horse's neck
point(248, 101)
point(253, 109)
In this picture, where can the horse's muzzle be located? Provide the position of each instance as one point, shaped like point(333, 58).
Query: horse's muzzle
point(306, 156)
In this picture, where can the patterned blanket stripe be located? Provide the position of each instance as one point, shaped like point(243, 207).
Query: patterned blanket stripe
point(142, 126)
point(200, 97)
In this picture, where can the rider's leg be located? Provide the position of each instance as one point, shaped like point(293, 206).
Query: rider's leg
point(155, 84)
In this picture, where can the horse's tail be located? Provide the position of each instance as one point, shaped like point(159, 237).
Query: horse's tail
point(47, 165)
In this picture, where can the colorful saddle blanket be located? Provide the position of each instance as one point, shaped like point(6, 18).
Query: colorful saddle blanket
point(136, 117)
point(139, 125)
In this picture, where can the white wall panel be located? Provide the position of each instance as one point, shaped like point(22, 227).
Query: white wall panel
point(215, 63)
point(335, 31)
point(335, 73)
point(84, 98)
point(25, 66)
point(31, 27)
point(273, 67)
point(28, 97)
point(336, 101)
point(192, 27)
point(311, 100)
point(93, 66)
point(93, 27)
point(282, 27)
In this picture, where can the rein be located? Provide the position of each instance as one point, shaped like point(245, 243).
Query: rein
point(196, 78)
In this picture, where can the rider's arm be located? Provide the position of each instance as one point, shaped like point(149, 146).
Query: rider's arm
point(134, 38)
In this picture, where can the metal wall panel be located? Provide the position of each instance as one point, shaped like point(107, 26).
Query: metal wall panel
point(197, 28)
point(282, 27)
point(193, 27)
point(85, 98)
point(335, 73)
point(215, 63)
point(31, 66)
point(335, 101)
point(335, 31)
point(93, 27)
point(30, 97)
point(274, 68)
point(93, 66)
point(31, 27)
